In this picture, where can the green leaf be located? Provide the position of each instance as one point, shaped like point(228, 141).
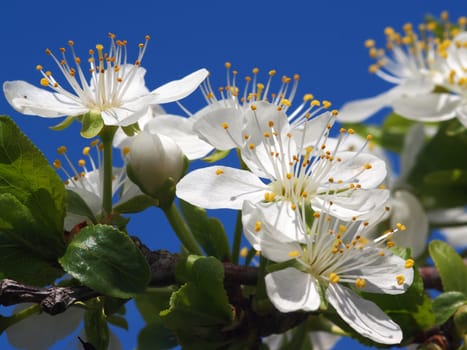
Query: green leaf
point(96, 327)
point(446, 304)
point(118, 321)
point(131, 130)
point(156, 336)
point(26, 174)
point(209, 232)
point(442, 161)
point(28, 253)
point(450, 265)
point(92, 124)
point(76, 205)
point(202, 301)
point(106, 260)
point(216, 155)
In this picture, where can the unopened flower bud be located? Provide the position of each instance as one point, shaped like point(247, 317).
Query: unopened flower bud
point(152, 160)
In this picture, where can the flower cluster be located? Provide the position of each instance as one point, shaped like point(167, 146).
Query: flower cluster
point(306, 201)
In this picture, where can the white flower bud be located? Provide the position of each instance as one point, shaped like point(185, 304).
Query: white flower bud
point(152, 159)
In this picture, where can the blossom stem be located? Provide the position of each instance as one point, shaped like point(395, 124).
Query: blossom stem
point(106, 136)
point(237, 238)
point(19, 316)
point(181, 229)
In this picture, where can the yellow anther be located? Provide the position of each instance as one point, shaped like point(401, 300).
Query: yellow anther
point(296, 77)
point(390, 244)
point(368, 166)
point(462, 21)
point(444, 15)
point(331, 179)
point(147, 37)
point(409, 263)
point(389, 31)
point(219, 171)
point(334, 112)
point(81, 162)
point(48, 52)
point(286, 102)
point(272, 72)
point(225, 125)
point(316, 215)
point(342, 228)
point(408, 27)
point(369, 43)
point(44, 82)
point(126, 150)
point(293, 206)
point(373, 68)
point(61, 149)
point(400, 279)
point(86, 151)
point(253, 107)
point(257, 226)
point(304, 194)
point(266, 134)
point(39, 67)
point(360, 283)
point(351, 131)
point(333, 277)
point(244, 252)
point(315, 103)
point(326, 104)
point(289, 176)
point(57, 164)
point(251, 146)
point(401, 227)
point(255, 70)
point(99, 47)
point(294, 254)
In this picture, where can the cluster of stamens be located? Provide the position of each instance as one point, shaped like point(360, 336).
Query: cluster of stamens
point(413, 52)
point(110, 76)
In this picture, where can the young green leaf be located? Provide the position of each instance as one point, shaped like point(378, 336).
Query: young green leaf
point(446, 304)
point(26, 174)
point(209, 232)
point(106, 260)
point(28, 253)
point(450, 265)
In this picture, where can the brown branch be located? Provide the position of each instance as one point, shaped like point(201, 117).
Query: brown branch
point(54, 300)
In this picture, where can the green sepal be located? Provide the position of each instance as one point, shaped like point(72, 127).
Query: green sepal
point(63, 124)
point(106, 260)
point(450, 265)
point(131, 130)
point(445, 304)
point(209, 232)
point(91, 125)
point(95, 325)
point(216, 155)
point(77, 205)
point(271, 267)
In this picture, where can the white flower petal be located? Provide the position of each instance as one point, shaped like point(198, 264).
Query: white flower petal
point(180, 130)
point(413, 143)
point(178, 89)
point(291, 290)
point(407, 209)
point(273, 244)
point(428, 108)
point(220, 187)
point(220, 126)
point(380, 275)
point(363, 316)
point(366, 169)
point(125, 115)
point(41, 331)
point(455, 236)
point(31, 100)
point(359, 110)
point(366, 205)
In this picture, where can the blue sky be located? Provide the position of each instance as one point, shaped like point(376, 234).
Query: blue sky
point(320, 40)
